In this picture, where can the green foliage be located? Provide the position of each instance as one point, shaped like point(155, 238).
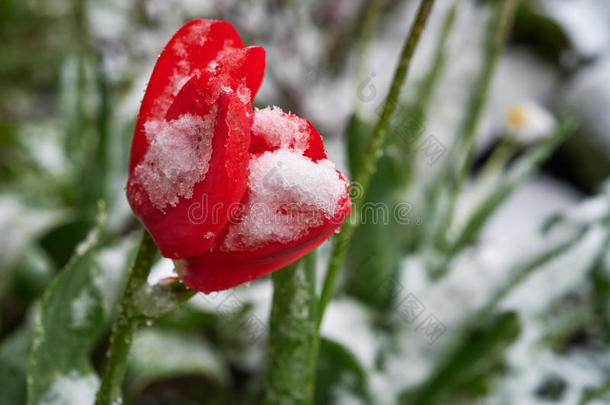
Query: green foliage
point(60, 93)
point(159, 355)
point(29, 223)
point(520, 171)
point(374, 252)
point(540, 32)
point(599, 277)
point(289, 367)
point(14, 351)
point(60, 355)
point(475, 355)
point(338, 367)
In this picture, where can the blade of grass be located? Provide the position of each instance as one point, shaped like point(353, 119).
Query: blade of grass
point(372, 12)
point(367, 168)
point(523, 169)
point(462, 152)
point(517, 274)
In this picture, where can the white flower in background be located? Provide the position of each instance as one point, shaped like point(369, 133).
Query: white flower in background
point(528, 122)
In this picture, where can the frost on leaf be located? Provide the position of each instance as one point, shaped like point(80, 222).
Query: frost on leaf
point(82, 307)
point(177, 158)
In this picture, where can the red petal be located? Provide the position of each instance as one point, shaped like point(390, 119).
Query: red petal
point(273, 120)
point(243, 67)
point(196, 47)
point(189, 227)
point(234, 259)
point(215, 271)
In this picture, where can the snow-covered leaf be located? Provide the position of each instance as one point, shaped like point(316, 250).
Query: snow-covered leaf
point(339, 373)
point(374, 252)
point(21, 225)
point(69, 321)
point(473, 355)
point(13, 360)
point(159, 354)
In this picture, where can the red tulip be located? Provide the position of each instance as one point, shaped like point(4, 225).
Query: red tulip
point(232, 194)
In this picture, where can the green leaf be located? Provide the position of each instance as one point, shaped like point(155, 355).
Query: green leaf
point(159, 354)
point(21, 225)
point(69, 321)
point(338, 366)
point(13, 359)
point(374, 252)
point(358, 132)
point(34, 274)
point(476, 354)
point(599, 278)
point(540, 32)
point(522, 170)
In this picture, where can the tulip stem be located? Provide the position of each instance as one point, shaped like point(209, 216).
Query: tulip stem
point(380, 132)
point(292, 339)
point(126, 324)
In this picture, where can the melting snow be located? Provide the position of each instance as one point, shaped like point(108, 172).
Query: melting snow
point(81, 308)
point(280, 129)
point(177, 158)
point(72, 389)
point(289, 195)
point(288, 192)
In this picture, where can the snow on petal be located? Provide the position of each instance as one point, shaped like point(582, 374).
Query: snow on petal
point(280, 129)
point(289, 194)
point(178, 158)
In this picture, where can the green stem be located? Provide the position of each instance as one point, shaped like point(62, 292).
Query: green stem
point(363, 176)
point(522, 170)
point(311, 272)
point(501, 28)
point(497, 161)
point(290, 368)
point(371, 11)
point(463, 148)
point(438, 63)
point(523, 270)
point(418, 115)
point(126, 324)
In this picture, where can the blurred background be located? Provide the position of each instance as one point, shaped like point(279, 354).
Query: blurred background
point(525, 249)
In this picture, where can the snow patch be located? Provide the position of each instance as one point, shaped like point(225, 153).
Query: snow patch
point(72, 389)
point(280, 129)
point(289, 194)
point(82, 307)
point(177, 158)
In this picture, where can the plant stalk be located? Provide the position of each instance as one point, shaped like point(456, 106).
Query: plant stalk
point(363, 176)
point(463, 148)
point(290, 363)
point(126, 324)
